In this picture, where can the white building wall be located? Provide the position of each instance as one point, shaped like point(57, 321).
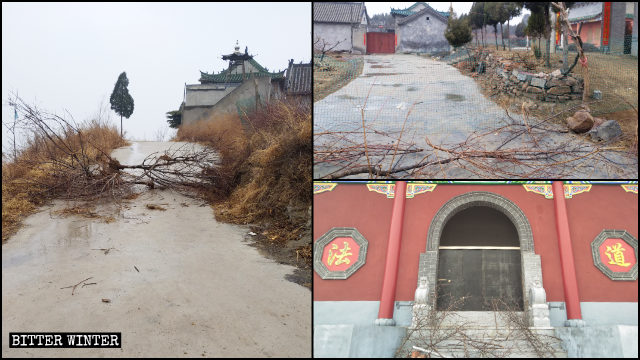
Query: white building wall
point(333, 33)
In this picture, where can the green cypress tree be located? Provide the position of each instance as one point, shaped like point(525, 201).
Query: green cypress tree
point(121, 101)
point(458, 31)
point(174, 118)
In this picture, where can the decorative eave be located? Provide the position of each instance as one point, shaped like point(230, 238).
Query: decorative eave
point(595, 17)
point(225, 77)
point(236, 78)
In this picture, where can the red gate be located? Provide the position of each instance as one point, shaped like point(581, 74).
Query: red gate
point(381, 43)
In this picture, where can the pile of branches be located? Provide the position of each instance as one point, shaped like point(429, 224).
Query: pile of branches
point(443, 332)
point(72, 162)
point(517, 149)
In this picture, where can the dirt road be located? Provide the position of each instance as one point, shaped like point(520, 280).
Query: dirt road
point(180, 284)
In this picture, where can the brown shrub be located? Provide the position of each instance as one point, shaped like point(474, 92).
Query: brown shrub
point(277, 173)
point(226, 135)
point(266, 165)
point(44, 169)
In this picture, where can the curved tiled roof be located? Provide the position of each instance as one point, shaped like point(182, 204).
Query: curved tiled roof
point(338, 12)
point(298, 79)
point(410, 10)
point(427, 10)
point(583, 11)
point(225, 76)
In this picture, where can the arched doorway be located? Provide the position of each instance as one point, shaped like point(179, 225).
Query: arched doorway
point(531, 270)
point(479, 262)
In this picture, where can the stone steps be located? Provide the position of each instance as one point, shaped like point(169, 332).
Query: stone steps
point(501, 342)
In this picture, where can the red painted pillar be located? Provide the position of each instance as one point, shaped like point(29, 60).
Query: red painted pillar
point(387, 299)
point(569, 281)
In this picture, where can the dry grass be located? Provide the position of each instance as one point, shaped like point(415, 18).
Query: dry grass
point(264, 170)
point(31, 179)
point(84, 210)
point(334, 72)
point(615, 75)
point(226, 135)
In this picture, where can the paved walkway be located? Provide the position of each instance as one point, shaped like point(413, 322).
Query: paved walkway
point(437, 101)
point(199, 290)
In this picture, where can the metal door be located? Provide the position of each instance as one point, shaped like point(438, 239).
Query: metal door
point(478, 276)
point(381, 43)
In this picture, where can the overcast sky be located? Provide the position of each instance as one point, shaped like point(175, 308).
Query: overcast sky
point(69, 55)
point(459, 8)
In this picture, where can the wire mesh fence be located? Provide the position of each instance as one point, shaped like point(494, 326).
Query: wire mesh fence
point(460, 115)
point(331, 72)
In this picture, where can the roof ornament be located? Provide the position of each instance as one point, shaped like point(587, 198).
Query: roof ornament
point(237, 48)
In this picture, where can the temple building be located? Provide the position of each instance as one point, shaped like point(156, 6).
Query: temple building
point(610, 27)
point(238, 88)
point(471, 268)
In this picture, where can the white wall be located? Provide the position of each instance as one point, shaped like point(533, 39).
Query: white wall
point(332, 33)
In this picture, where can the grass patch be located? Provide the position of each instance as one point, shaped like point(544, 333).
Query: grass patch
point(616, 76)
point(332, 73)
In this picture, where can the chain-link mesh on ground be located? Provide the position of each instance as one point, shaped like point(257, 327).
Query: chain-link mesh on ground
point(614, 74)
point(408, 115)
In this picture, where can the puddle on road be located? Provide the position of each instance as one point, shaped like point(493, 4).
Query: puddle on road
point(412, 88)
point(347, 97)
point(382, 74)
point(454, 97)
point(380, 66)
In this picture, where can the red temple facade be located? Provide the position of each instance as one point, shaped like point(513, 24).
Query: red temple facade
point(574, 243)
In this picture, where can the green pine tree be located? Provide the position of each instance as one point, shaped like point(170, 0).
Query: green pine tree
point(121, 101)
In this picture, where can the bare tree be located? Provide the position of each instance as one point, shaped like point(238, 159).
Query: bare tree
point(564, 18)
point(322, 46)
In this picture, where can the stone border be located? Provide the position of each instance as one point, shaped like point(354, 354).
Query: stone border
point(630, 275)
point(318, 248)
point(530, 261)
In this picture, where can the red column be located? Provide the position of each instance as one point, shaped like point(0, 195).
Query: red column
point(569, 281)
point(387, 299)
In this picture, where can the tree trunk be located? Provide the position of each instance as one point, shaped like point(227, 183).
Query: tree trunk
point(120, 125)
point(502, 36)
point(548, 36)
point(495, 32)
point(509, 34)
point(548, 52)
point(565, 49)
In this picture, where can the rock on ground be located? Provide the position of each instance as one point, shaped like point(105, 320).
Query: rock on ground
point(580, 122)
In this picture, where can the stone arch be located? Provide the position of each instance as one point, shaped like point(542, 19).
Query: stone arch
point(480, 198)
point(530, 262)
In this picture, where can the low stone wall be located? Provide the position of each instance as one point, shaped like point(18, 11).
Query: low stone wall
point(552, 87)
